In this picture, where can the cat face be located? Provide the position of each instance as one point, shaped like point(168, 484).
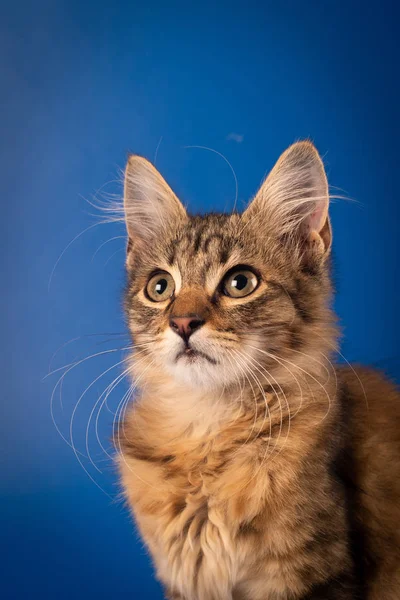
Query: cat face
point(217, 300)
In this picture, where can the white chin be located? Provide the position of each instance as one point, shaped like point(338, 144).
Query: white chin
point(196, 371)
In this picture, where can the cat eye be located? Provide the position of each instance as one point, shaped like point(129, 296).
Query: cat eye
point(160, 287)
point(239, 283)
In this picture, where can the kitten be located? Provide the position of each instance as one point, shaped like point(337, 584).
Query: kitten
point(255, 469)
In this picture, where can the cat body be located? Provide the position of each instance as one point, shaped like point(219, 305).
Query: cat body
point(255, 468)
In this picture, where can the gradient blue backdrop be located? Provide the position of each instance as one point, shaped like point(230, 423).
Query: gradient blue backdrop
point(82, 84)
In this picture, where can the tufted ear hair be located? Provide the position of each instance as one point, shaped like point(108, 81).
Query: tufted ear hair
point(151, 207)
point(293, 201)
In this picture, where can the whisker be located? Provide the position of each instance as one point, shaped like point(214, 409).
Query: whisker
point(246, 482)
point(116, 237)
point(71, 367)
point(108, 389)
point(75, 339)
point(276, 396)
point(157, 149)
point(66, 248)
point(106, 394)
point(240, 385)
point(113, 254)
point(121, 454)
point(297, 382)
point(250, 434)
point(239, 357)
point(71, 427)
point(266, 374)
point(281, 411)
point(351, 367)
point(76, 452)
point(324, 367)
point(300, 369)
point(230, 166)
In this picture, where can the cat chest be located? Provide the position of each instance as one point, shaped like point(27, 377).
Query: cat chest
point(194, 547)
point(205, 542)
point(187, 529)
point(202, 553)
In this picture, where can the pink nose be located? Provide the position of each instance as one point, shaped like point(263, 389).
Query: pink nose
point(185, 326)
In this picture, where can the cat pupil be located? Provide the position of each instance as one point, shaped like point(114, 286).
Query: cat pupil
point(161, 286)
point(240, 282)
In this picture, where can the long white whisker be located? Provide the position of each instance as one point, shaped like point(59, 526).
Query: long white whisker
point(112, 255)
point(121, 454)
point(242, 367)
point(75, 339)
point(71, 427)
point(106, 394)
point(66, 248)
point(70, 367)
point(266, 375)
point(352, 368)
point(279, 361)
point(108, 389)
point(266, 413)
point(240, 385)
point(116, 237)
point(263, 369)
point(230, 166)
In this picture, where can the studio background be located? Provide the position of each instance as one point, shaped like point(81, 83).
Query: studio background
point(82, 85)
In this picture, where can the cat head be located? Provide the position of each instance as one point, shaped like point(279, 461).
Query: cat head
point(220, 299)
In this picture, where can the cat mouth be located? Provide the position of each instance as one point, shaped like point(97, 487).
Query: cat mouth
point(192, 356)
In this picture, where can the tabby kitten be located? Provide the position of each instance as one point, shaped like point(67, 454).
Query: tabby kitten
point(255, 469)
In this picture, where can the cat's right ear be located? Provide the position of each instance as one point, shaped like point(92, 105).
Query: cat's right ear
point(293, 201)
point(151, 207)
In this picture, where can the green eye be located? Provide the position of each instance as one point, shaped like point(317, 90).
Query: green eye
point(240, 283)
point(160, 287)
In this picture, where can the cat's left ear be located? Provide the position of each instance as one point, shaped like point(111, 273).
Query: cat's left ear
point(293, 201)
point(151, 207)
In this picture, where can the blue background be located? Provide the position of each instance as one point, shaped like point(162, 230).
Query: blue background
point(84, 83)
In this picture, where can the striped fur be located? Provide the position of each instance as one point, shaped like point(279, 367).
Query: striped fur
point(255, 468)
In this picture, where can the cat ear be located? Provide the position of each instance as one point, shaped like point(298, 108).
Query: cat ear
point(293, 201)
point(151, 207)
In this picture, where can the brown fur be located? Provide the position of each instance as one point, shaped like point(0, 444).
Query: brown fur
point(256, 470)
